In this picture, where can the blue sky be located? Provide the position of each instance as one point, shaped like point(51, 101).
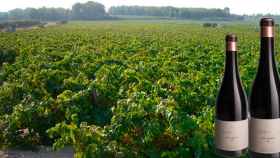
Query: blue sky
point(237, 6)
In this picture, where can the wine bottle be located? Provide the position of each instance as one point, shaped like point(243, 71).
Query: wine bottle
point(264, 101)
point(231, 126)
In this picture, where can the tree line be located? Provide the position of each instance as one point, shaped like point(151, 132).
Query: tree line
point(179, 13)
point(96, 11)
point(80, 11)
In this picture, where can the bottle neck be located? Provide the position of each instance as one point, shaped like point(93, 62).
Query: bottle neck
point(231, 69)
point(267, 52)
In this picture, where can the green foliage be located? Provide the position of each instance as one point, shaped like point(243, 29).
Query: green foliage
point(117, 90)
point(7, 56)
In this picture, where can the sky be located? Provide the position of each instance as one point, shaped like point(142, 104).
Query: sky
point(236, 6)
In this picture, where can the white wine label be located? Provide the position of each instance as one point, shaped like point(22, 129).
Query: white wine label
point(231, 135)
point(265, 135)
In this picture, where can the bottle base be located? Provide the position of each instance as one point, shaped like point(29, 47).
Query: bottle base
point(230, 154)
point(259, 155)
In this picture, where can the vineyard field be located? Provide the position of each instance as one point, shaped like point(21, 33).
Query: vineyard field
point(118, 89)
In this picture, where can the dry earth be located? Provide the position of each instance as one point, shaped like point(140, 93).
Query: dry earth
point(43, 153)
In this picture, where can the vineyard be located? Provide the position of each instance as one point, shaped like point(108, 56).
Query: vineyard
point(118, 89)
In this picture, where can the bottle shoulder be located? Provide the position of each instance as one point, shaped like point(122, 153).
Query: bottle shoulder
point(231, 105)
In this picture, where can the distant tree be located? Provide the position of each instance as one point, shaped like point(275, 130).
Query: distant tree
point(227, 10)
point(33, 13)
point(182, 13)
point(3, 16)
point(17, 14)
point(41, 14)
point(96, 11)
point(77, 11)
point(52, 14)
point(88, 11)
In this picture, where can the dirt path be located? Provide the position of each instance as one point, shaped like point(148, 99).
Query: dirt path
point(43, 153)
